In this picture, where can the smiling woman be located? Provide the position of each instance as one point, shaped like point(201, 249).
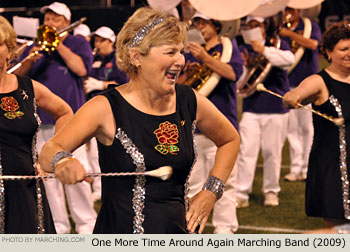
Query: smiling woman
point(147, 123)
point(327, 186)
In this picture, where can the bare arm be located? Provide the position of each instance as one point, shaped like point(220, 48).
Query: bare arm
point(217, 128)
point(310, 90)
point(52, 104)
point(209, 120)
point(221, 68)
point(87, 122)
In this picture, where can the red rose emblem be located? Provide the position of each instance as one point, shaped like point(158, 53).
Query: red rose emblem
point(167, 135)
point(9, 104)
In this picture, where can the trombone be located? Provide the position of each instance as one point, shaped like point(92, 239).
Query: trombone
point(48, 39)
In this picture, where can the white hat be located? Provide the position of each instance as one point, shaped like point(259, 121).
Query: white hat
point(105, 32)
point(82, 29)
point(256, 18)
point(58, 8)
point(200, 15)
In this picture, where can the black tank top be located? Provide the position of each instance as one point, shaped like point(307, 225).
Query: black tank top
point(18, 126)
point(324, 187)
point(146, 204)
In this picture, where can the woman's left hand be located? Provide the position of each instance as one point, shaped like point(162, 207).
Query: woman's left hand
point(200, 207)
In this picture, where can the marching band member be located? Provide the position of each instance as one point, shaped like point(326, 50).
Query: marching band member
point(224, 98)
point(23, 203)
point(62, 71)
point(83, 30)
point(104, 68)
point(327, 183)
point(142, 125)
point(300, 129)
point(264, 119)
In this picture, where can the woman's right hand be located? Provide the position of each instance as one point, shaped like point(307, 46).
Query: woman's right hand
point(291, 100)
point(70, 171)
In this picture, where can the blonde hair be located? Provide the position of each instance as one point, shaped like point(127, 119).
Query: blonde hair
point(169, 31)
point(7, 36)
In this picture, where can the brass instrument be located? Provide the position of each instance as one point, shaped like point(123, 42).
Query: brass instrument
point(48, 39)
point(288, 18)
point(293, 44)
point(258, 69)
point(203, 79)
point(296, 48)
point(200, 74)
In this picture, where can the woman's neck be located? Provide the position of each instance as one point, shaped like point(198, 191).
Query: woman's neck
point(340, 73)
point(3, 80)
point(148, 100)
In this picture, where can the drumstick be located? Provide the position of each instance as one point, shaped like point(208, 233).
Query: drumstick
point(163, 172)
point(337, 121)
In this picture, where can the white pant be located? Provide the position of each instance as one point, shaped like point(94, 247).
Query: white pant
point(224, 212)
point(300, 135)
point(267, 131)
point(92, 158)
point(78, 196)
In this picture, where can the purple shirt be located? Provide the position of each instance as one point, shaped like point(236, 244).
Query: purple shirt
point(52, 71)
point(105, 68)
point(308, 64)
point(276, 81)
point(224, 96)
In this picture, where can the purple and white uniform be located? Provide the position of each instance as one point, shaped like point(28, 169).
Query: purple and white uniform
point(105, 68)
point(224, 97)
point(264, 124)
point(300, 128)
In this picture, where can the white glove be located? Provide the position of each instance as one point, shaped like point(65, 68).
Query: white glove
point(92, 84)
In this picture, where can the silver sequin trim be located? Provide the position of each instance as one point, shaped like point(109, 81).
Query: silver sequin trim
point(144, 31)
point(342, 159)
point(2, 201)
point(138, 200)
point(39, 196)
point(40, 214)
point(187, 189)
